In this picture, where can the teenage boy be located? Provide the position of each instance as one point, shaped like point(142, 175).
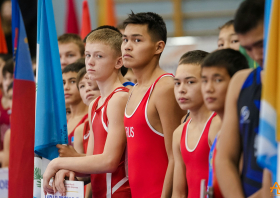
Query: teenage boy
point(71, 48)
point(217, 70)
point(152, 113)
point(227, 37)
point(241, 117)
point(105, 160)
point(72, 97)
point(123, 71)
point(88, 91)
point(192, 140)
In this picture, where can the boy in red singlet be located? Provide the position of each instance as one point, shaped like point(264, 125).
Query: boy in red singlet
point(217, 70)
point(152, 113)
point(192, 140)
point(88, 91)
point(73, 98)
point(105, 160)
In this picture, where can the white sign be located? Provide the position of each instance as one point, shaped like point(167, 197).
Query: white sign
point(74, 189)
point(4, 175)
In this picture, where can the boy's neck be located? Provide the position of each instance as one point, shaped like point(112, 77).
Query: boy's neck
point(144, 74)
point(200, 114)
point(121, 78)
point(107, 86)
point(78, 109)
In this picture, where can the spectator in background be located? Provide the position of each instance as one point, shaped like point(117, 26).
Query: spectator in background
point(71, 48)
point(227, 37)
point(5, 153)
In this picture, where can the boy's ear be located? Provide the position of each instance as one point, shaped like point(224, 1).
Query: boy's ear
point(160, 45)
point(119, 63)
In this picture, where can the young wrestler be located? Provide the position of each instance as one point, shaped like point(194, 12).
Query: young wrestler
point(227, 37)
point(7, 72)
point(73, 98)
point(88, 91)
point(241, 117)
point(152, 113)
point(122, 72)
point(217, 70)
point(71, 48)
point(192, 140)
point(105, 158)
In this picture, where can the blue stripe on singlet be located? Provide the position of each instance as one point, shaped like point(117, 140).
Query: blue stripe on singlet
point(128, 84)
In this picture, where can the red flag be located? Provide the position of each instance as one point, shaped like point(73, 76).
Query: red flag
point(86, 25)
point(71, 18)
point(3, 44)
point(21, 165)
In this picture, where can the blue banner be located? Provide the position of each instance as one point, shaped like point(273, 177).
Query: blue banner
point(51, 125)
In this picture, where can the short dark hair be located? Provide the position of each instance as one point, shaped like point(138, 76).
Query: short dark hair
point(193, 57)
point(73, 67)
point(80, 76)
point(249, 14)
point(102, 27)
point(229, 59)
point(8, 67)
point(227, 24)
point(10, 86)
point(155, 23)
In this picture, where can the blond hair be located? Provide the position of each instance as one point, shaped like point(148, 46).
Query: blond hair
point(72, 38)
point(107, 37)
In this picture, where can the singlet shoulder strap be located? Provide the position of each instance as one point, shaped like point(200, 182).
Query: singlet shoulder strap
point(154, 84)
point(85, 127)
point(119, 89)
point(94, 106)
point(210, 120)
point(184, 133)
point(163, 75)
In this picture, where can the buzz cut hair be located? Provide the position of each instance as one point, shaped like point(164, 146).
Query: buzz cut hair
point(72, 38)
point(195, 57)
point(108, 37)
